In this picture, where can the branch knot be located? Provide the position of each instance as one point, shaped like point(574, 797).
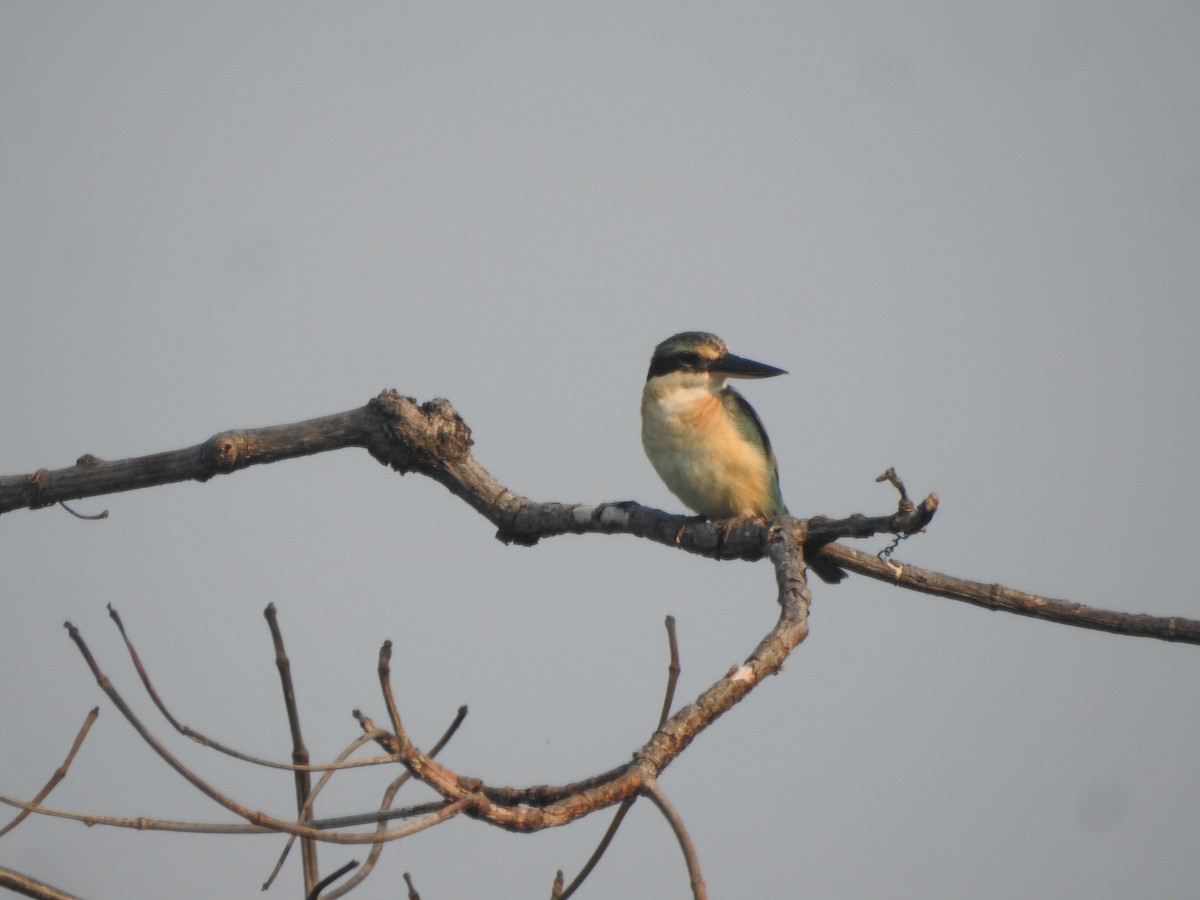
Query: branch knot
point(227, 452)
point(419, 438)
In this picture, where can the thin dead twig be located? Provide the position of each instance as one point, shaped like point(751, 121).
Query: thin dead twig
point(651, 789)
point(212, 743)
point(329, 879)
point(308, 847)
point(254, 817)
point(389, 795)
point(60, 773)
point(31, 887)
point(672, 671)
point(306, 810)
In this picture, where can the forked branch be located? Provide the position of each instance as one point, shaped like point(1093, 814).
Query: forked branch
point(432, 439)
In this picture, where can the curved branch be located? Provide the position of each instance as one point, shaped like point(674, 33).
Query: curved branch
point(532, 809)
point(652, 790)
point(432, 439)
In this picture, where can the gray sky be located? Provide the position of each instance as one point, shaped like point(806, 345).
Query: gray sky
point(971, 235)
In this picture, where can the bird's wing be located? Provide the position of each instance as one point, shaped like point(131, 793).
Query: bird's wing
point(752, 429)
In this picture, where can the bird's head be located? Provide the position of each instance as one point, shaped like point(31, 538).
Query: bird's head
point(697, 358)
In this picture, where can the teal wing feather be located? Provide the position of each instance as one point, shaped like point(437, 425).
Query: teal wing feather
point(751, 427)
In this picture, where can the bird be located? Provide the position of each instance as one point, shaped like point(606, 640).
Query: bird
point(705, 440)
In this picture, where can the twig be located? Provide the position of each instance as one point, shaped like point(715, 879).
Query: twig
point(571, 802)
point(389, 795)
point(60, 773)
point(893, 479)
point(376, 816)
point(320, 828)
point(329, 879)
point(412, 891)
point(145, 677)
point(308, 847)
point(376, 850)
point(609, 834)
point(255, 817)
point(136, 823)
point(652, 790)
point(385, 682)
point(31, 887)
point(306, 810)
point(212, 743)
point(998, 597)
point(103, 514)
point(672, 671)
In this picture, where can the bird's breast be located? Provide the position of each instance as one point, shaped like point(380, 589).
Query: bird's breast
point(703, 457)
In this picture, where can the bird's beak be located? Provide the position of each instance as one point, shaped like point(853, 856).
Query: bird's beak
point(740, 367)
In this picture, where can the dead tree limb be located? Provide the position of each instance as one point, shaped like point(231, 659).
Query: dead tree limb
point(432, 439)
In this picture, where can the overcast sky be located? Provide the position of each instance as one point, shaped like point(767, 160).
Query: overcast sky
point(970, 232)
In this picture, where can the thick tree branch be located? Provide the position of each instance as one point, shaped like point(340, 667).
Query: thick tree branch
point(220, 454)
point(433, 440)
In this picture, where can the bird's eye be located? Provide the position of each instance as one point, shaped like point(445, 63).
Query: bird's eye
point(689, 360)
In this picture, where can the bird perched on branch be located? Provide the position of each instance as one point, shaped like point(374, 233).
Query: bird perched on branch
point(704, 440)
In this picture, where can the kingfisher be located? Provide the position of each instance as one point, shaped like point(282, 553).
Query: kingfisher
point(705, 440)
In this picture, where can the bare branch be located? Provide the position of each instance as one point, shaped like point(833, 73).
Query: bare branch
point(563, 893)
point(315, 892)
point(998, 597)
point(893, 479)
point(206, 741)
point(103, 514)
point(137, 823)
point(306, 810)
point(308, 847)
point(254, 817)
point(60, 773)
point(220, 454)
point(384, 807)
point(376, 850)
point(433, 440)
point(672, 671)
point(438, 809)
point(652, 790)
point(532, 809)
point(31, 887)
point(430, 439)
